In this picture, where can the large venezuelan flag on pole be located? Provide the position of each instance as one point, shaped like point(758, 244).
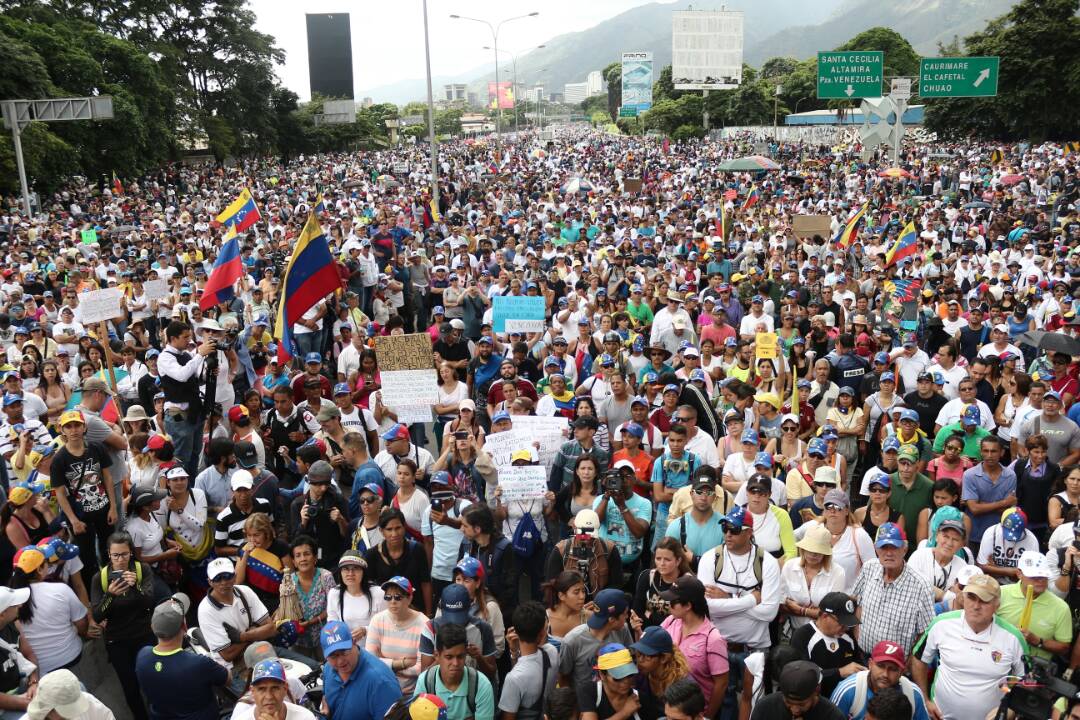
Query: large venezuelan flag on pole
point(310, 276)
point(226, 271)
point(905, 246)
point(846, 236)
point(242, 213)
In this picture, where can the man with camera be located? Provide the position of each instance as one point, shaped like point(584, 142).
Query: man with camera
point(180, 372)
point(221, 367)
point(624, 515)
point(322, 513)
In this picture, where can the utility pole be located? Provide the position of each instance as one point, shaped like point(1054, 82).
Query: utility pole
point(433, 150)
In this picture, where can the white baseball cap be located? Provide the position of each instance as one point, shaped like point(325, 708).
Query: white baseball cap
point(1034, 565)
point(220, 566)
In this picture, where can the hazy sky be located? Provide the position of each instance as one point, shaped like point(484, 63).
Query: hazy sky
point(388, 36)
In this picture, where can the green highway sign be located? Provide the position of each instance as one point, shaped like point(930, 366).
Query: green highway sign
point(849, 75)
point(628, 111)
point(958, 77)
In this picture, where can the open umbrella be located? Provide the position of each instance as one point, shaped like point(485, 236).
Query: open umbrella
point(977, 205)
point(1010, 179)
point(1050, 341)
point(895, 172)
point(349, 184)
point(749, 163)
point(576, 185)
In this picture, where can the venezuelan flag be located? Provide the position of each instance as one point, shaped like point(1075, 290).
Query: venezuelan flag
point(846, 236)
point(111, 411)
point(241, 214)
point(752, 197)
point(905, 246)
point(118, 187)
point(320, 205)
point(310, 276)
point(226, 271)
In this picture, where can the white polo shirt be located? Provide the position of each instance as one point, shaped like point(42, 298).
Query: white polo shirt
point(970, 665)
point(213, 616)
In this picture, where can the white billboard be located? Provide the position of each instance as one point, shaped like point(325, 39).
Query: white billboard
point(706, 49)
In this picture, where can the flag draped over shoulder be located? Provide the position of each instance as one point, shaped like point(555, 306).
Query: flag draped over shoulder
point(310, 276)
point(846, 236)
point(226, 271)
point(905, 246)
point(752, 197)
point(242, 213)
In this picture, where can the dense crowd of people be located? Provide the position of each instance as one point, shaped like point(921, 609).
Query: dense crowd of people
point(803, 476)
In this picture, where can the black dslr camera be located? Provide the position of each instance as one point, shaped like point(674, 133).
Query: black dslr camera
point(1033, 698)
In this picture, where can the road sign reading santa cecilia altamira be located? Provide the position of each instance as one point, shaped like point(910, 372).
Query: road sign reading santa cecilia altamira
point(848, 75)
point(958, 77)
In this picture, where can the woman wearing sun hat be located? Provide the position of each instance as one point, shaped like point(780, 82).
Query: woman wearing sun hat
point(59, 695)
point(811, 576)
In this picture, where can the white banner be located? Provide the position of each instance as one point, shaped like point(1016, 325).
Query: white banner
point(156, 289)
point(411, 394)
point(100, 305)
point(706, 49)
point(552, 432)
point(528, 482)
point(500, 446)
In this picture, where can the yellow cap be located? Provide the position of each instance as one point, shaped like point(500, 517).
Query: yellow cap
point(71, 416)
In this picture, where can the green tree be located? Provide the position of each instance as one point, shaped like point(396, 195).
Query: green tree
point(778, 67)
point(1039, 84)
point(900, 58)
point(613, 78)
point(664, 87)
point(448, 122)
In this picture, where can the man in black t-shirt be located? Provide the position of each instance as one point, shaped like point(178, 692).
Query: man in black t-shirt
point(84, 489)
point(799, 696)
point(926, 400)
point(825, 640)
point(451, 348)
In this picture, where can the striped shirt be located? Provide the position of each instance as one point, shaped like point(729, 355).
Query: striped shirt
point(9, 437)
point(229, 530)
point(388, 641)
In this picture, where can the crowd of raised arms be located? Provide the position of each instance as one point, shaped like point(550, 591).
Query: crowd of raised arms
point(827, 474)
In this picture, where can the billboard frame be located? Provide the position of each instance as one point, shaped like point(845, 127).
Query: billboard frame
point(691, 35)
point(631, 62)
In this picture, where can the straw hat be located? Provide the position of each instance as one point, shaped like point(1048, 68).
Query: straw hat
point(818, 540)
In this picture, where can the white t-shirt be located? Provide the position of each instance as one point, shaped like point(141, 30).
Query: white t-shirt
point(413, 508)
point(52, 632)
point(1005, 553)
point(358, 610)
point(146, 534)
point(213, 616)
point(922, 562)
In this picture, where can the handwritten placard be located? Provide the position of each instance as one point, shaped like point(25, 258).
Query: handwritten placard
point(410, 394)
point(100, 305)
point(526, 482)
point(156, 289)
point(501, 445)
point(550, 432)
point(404, 352)
point(518, 314)
point(807, 226)
point(89, 237)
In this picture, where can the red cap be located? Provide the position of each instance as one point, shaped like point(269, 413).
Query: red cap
point(154, 442)
point(238, 412)
point(888, 651)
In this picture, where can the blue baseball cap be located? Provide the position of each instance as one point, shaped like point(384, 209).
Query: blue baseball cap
point(697, 375)
point(939, 379)
point(484, 340)
point(341, 389)
point(559, 340)
point(606, 360)
point(738, 518)
point(828, 432)
point(335, 636)
point(909, 414)
point(762, 459)
point(634, 429)
point(1013, 526)
point(882, 480)
point(654, 640)
point(609, 602)
point(817, 446)
point(650, 377)
point(500, 416)
point(888, 376)
point(273, 670)
point(396, 432)
point(152, 353)
point(400, 581)
point(638, 345)
point(440, 477)
point(438, 310)
point(750, 435)
point(313, 357)
point(891, 444)
point(672, 387)
point(552, 361)
point(455, 603)
point(11, 399)
point(470, 567)
point(639, 400)
point(972, 416)
point(890, 535)
point(263, 320)
point(374, 488)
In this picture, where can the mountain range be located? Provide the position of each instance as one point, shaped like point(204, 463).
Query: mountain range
point(772, 28)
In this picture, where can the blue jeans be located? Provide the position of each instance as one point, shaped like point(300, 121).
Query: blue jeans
point(308, 342)
point(186, 438)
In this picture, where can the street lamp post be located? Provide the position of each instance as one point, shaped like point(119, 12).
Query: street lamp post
point(513, 59)
point(433, 150)
point(495, 43)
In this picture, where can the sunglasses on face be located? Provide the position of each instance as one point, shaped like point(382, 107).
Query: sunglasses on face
point(731, 530)
point(388, 597)
point(833, 506)
point(789, 428)
point(225, 577)
point(878, 489)
point(681, 419)
point(704, 491)
point(368, 500)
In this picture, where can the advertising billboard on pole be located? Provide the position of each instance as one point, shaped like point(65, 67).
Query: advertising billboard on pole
point(706, 49)
point(637, 80)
